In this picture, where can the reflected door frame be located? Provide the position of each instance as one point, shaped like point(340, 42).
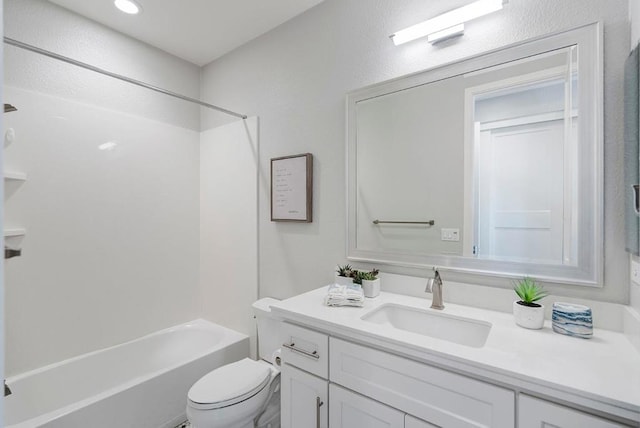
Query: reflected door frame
point(472, 136)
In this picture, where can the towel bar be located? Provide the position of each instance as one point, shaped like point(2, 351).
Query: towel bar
point(429, 222)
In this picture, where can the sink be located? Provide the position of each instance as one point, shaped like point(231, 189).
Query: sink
point(464, 331)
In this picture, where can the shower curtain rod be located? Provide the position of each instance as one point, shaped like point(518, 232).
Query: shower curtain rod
point(72, 61)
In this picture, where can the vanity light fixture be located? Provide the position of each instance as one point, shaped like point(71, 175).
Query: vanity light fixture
point(128, 6)
point(447, 25)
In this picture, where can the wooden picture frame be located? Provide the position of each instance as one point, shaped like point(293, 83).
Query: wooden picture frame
point(292, 188)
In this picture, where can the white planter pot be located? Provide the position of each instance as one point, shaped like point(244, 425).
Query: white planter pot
point(371, 288)
point(343, 280)
point(528, 317)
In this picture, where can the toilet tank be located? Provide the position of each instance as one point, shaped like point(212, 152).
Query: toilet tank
point(268, 328)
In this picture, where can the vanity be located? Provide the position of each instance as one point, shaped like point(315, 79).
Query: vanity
point(397, 363)
point(490, 167)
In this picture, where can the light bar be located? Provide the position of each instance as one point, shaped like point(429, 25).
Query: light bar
point(456, 30)
point(448, 24)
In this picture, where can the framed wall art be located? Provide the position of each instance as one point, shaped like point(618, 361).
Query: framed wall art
point(292, 188)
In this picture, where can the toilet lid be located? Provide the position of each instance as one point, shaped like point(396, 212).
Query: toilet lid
point(230, 384)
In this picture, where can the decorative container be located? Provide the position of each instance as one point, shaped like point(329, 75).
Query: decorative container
point(343, 280)
point(528, 316)
point(371, 288)
point(572, 320)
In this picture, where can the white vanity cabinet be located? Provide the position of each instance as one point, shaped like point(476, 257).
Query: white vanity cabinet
point(437, 396)
point(535, 413)
point(411, 422)
point(304, 399)
point(349, 410)
point(328, 382)
point(304, 387)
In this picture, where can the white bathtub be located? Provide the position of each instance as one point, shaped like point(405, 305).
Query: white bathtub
point(142, 383)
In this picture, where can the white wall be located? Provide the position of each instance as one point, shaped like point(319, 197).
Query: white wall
point(229, 224)
point(634, 19)
point(2, 284)
point(48, 26)
point(296, 77)
point(111, 251)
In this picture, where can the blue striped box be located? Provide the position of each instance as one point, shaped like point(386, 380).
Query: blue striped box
point(572, 320)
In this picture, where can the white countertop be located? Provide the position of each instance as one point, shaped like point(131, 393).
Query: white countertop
point(602, 372)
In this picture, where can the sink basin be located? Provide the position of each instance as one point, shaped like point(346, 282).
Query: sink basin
point(464, 331)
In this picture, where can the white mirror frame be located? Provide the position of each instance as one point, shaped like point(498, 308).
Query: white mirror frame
point(589, 269)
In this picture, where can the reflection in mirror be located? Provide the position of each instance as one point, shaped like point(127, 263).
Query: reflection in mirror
point(524, 156)
point(488, 165)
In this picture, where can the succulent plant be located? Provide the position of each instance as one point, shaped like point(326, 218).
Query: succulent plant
point(366, 276)
point(529, 291)
point(369, 276)
point(346, 271)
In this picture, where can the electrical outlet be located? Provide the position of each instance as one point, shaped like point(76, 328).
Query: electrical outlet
point(635, 272)
point(450, 234)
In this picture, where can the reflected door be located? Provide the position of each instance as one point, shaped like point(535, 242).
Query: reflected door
point(521, 192)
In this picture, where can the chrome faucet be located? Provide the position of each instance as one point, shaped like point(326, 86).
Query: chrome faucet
point(434, 286)
point(11, 252)
point(7, 390)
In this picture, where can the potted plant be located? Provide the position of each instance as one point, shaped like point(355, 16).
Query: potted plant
point(526, 311)
point(345, 274)
point(369, 281)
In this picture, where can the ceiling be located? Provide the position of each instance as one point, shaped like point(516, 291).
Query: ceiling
point(198, 31)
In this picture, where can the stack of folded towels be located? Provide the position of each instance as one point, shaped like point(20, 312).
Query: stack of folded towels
point(344, 295)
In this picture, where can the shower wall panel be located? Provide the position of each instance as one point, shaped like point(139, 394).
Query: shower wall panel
point(110, 208)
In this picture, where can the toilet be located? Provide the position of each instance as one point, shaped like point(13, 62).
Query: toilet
point(234, 395)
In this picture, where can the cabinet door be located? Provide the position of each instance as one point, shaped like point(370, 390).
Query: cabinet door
point(303, 399)
point(536, 413)
point(411, 422)
point(350, 410)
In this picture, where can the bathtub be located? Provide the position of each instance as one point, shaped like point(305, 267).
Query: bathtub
point(142, 383)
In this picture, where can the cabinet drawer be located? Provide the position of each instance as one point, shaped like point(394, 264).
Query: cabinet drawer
point(441, 397)
point(306, 349)
point(534, 413)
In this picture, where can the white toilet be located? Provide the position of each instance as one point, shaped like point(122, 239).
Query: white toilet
point(233, 396)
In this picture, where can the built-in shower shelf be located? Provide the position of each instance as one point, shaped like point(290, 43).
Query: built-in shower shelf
point(15, 176)
point(10, 233)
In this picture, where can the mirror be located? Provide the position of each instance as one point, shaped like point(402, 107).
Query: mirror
point(490, 165)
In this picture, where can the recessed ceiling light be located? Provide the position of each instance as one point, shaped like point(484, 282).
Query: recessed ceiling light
point(128, 6)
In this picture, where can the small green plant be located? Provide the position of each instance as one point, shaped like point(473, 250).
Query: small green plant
point(529, 291)
point(369, 276)
point(365, 276)
point(347, 271)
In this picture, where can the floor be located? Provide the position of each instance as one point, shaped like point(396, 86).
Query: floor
point(184, 425)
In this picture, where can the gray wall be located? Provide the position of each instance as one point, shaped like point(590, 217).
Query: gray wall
point(295, 79)
point(634, 18)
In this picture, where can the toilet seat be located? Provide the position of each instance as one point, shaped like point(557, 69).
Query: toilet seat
point(229, 385)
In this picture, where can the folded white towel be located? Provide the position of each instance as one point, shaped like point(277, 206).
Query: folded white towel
point(344, 295)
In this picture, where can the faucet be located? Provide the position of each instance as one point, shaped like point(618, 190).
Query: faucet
point(434, 285)
point(7, 390)
point(11, 252)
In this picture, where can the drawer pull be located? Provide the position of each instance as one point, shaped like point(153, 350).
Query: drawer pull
point(319, 403)
point(292, 346)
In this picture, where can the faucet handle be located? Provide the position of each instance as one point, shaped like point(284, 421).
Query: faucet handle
point(429, 288)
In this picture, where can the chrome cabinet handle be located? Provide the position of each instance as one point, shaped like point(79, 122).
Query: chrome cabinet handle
point(319, 403)
point(292, 346)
